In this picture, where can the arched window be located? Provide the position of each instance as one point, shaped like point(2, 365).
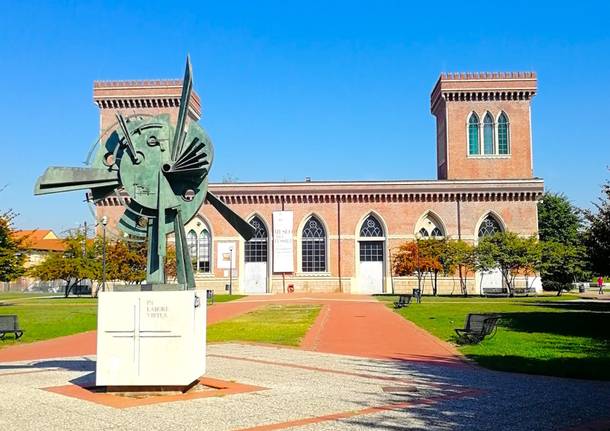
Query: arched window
point(191, 241)
point(423, 233)
point(313, 256)
point(371, 228)
point(503, 147)
point(489, 226)
point(473, 134)
point(256, 248)
point(488, 134)
point(430, 227)
point(204, 251)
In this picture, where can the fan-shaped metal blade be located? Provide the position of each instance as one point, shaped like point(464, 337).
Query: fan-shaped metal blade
point(245, 229)
point(185, 99)
point(61, 179)
point(133, 224)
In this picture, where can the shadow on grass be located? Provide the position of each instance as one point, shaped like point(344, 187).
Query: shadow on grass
point(593, 368)
point(574, 324)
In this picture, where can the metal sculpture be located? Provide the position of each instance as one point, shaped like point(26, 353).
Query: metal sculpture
point(163, 169)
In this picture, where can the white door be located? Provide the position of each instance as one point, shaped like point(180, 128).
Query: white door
point(490, 280)
point(370, 271)
point(255, 277)
point(370, 277)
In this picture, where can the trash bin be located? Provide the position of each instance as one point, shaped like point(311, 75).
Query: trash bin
point(290, 288)
point(582, 287)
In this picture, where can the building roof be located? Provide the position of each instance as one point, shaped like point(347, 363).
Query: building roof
point(40, 239)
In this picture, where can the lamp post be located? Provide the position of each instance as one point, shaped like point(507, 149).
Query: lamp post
point(104, 222)
point(231, 271)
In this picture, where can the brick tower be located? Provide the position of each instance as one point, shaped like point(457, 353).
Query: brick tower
point(483, 125)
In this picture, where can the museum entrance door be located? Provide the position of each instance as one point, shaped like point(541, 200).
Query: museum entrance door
point(255, 259)
point(370, 269)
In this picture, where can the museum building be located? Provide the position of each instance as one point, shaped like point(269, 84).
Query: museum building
point(339, 236)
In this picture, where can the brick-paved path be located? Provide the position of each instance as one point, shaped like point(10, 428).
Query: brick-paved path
point(348, 324)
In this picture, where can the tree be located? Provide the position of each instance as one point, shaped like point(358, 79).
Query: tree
point(460, 257)
point(512, 254)
point(597, 237)
point(558, 220)
point(125, 261)
point(432, 253)
point(562, 264)
point(76, 264)
point(409, 260)
point(12, 255)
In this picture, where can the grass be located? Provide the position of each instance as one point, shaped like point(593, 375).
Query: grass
point(227, 298)
point(544, 335)
point(44, 318)
point(274, 324)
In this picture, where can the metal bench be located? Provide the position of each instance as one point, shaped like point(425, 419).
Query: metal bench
point(9, 325)
point(403, 301)
point(477, 327)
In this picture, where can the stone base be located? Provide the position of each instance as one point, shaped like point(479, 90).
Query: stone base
point(150, 338)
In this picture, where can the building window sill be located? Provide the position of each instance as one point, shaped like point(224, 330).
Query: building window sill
point(489, 156)
point(313, 274)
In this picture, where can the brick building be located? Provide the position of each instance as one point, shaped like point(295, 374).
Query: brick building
point(339, 236)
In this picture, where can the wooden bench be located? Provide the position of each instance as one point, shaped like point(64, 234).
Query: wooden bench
point(403, 301)
point(495, 291)
point(477, 327)
point(9, 325)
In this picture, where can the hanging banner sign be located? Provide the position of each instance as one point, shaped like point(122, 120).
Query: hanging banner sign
point(282, 242)
point(226, 255)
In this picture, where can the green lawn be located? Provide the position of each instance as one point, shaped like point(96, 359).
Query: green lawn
point(227, 298)
point(545, 335)
point(44, 318)
point(275, 324)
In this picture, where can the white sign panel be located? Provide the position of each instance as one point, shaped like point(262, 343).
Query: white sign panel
point(282, 241)
point(226, 255)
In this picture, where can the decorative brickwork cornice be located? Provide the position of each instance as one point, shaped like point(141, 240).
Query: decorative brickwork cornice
point(483, 86)
point(369, 192)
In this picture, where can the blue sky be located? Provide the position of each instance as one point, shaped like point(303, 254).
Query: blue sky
point(329, 90)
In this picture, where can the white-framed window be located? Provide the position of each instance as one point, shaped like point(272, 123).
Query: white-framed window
point(313, 246)
point(489, 137)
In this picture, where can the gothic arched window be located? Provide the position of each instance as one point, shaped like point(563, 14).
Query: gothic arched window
point(488, 134)
point(313, 246)
point(423, 233)
point(256, 248)
point(473, 134)
point(371, 228)
point(204, 251)
point(503, 146)
point(489, 226)
point(191, 241)
point(430, 227)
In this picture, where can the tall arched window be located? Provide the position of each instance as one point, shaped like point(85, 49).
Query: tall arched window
point(191, 241)
point(488, 134)
point(503, 134)
point(256, 248)
point(204, 251)
point(313, 256)
point(371, 251)
point(473, 134)
point(489, 226)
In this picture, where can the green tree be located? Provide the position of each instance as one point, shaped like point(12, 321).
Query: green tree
point(12, 255)
point(597, 238)
point(562, 264)
point(76, 264)
point(558, 220)
point(460, 258)
point(512, 254)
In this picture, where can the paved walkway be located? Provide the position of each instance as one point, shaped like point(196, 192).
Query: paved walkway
point(347, 324)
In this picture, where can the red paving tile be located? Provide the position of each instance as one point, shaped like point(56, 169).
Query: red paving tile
point(348, 324)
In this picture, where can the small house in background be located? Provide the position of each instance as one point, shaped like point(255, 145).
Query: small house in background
point(39, 243)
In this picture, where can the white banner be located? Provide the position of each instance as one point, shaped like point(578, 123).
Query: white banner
point(282, 241)
point(226, 255)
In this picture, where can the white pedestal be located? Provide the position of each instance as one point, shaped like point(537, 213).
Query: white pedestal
point(150, 338)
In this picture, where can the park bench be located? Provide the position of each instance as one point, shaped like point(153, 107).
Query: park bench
point(403, 301)
point(9, 325)
point(477, 327)
point(495, 291)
